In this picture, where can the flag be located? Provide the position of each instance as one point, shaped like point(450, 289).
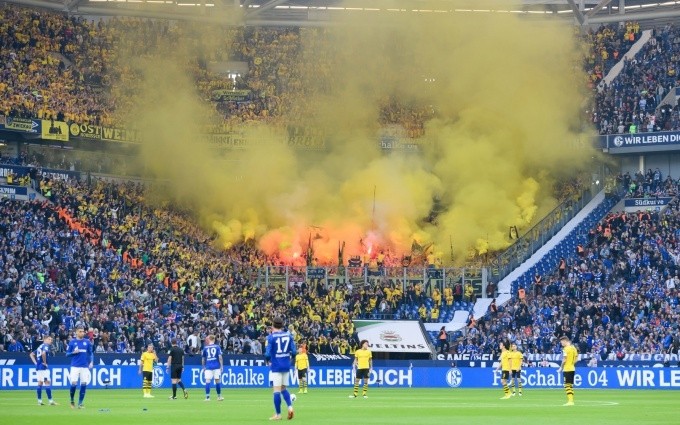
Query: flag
point(341, 253)
point(310, 251)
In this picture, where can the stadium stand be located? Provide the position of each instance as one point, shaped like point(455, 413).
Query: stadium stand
point(71, 69)
point(635, 97)
point(135, 273)
point(606, 46)
point(151, 270)
point(616, 296)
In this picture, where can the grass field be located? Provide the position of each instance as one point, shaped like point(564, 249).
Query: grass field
point(332, 406)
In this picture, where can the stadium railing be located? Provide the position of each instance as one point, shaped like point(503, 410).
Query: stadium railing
point(537, 236)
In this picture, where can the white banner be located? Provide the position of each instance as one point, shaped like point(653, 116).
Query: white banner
point(393, 336)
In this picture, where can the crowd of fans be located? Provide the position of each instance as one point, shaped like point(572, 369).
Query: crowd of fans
point(68, 68)
point(134, 274)
point(633, 102)
point(618, 297)
point(35, 79)
point(606, 46)
point(98, 254)
point(651, 184)
point(56, 66)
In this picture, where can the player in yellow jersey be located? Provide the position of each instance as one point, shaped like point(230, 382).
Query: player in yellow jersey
point(149, 359)
point(568, 368)
point(504, 367)
point(302, 367)
point(363, 362)
point(516, 358)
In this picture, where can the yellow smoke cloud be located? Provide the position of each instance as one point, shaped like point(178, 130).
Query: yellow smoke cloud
point(501, 100)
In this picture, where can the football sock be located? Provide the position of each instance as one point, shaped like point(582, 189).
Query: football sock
point(286, 397)
point(356, 388)
point(40, 392)
point(146, 386)
point(81, 396)
point(174, 390)
point(570, 391)
point(506, 389)
point(48, 390)
point(365, 389)
point(181, 385)
point(72, 392)
point(218, 388)
point(207, 389)
point(277, 403)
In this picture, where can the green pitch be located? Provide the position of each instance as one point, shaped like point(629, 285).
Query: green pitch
point(332, 406)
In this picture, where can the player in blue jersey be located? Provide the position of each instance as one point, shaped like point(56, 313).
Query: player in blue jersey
point(212, 366)
point(280, 350)
point(39, 358)
point(82, 361)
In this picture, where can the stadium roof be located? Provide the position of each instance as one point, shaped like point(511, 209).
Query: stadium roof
point(322, 12)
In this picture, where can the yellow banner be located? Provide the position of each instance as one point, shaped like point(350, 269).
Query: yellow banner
point(86, 131)
point(110, 134)
point(54, 130)
point(120, 135)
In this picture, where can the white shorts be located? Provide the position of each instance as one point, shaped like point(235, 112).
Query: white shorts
point(80, 374)
point(43, 375)
point(279, 379)
point(212, 374)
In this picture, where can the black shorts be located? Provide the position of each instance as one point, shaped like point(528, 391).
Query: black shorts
point(176, 371)
point(147, 376)
point(363, 373)
point(569, 377)
point(505, 374)
point(516, 373)
point(302, 373)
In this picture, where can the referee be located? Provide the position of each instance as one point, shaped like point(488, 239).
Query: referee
point(175, 366)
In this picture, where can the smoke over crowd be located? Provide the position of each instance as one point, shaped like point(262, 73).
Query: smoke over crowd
point(494, 102)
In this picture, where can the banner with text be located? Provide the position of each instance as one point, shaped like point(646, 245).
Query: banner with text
point(393, 137)
point(25, 377)
point(393, 336)
point(26, 125)
point(54, 130)
point(464, 360)
point(230, 95)
point(638, 140)
point(14, 192)
point(96, 132)
point(234, 140)
point(120, 135)
point(638, 204)
point(20, 170)
point(85, 131)
point(306, 138)
point(124, 359)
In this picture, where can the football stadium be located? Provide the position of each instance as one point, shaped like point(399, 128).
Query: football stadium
point(332, 212)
